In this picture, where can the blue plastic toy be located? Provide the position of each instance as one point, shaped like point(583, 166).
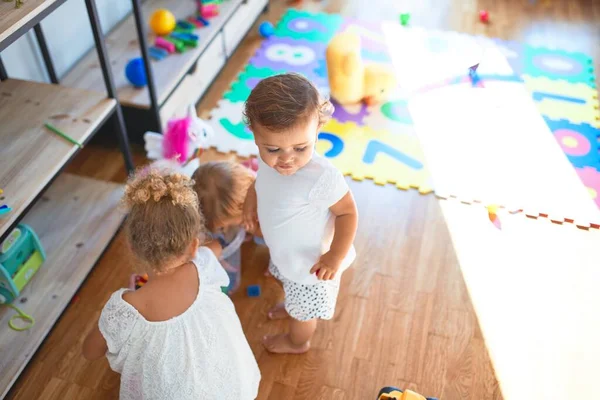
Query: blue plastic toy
point(253, 290)
point(157, 53)
point(203, 21)
point(4, 209)
point(185, 36)
point(266, 29)
point(135, 72)
point(473, 74)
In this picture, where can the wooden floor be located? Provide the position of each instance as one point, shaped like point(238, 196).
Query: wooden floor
point(404, 317)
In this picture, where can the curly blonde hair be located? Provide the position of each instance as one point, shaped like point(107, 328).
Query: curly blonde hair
point(283, 101)
point(164, 217)
point(221, 187)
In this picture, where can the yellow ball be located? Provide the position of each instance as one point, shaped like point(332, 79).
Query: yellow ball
point(162, 22)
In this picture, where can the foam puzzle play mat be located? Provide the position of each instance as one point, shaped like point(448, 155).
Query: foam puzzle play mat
point(384, 143)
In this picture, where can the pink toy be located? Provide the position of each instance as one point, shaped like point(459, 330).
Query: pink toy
point(164, 44)
point(209, 10)
point(183, 138)
point(175, 144)
point(484, 16)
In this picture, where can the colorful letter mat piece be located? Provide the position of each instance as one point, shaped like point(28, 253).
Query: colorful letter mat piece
point(561, 84)
point(386, 157)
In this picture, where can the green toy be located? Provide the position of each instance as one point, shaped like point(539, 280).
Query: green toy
point(62, 134)
point(404, 19)
point(185, 27)
point(179, 45)
point(21, 256)
point(27, 320)
point(188, 39)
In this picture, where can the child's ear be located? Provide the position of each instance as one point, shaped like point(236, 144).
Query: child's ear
point(194, 246)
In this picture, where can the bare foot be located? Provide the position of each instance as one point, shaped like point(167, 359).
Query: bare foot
point(282, 344)
point(278, 312)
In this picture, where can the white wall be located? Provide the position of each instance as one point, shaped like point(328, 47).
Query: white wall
point(69, 36)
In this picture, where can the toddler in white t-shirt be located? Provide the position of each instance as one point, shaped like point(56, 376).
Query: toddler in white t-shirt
point(306, 211)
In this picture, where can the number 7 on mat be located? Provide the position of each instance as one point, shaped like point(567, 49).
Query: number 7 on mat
point(375, 147)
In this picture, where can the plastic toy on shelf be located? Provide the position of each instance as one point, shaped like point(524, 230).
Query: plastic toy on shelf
point(162, 22)
point(164, 44)
point(157, 53)
point(21, 256)
point(135, 72)
point(185, 26)
point(209, 10)
point(4, 209)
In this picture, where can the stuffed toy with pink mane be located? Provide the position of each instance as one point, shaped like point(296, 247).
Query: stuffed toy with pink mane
point(176, 139)
point(182, 140)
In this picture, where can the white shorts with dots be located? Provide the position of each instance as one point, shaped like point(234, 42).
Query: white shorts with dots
point(306, 302)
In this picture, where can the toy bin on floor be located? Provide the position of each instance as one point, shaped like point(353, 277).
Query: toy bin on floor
point(231, 259)
point(21, 256)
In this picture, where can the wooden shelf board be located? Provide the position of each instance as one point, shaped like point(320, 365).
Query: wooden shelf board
point(75, 220)
point(30, 154)
point(12, 19)
point(123, 45)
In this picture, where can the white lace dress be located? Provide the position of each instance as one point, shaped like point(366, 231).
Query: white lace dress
point(200, 354)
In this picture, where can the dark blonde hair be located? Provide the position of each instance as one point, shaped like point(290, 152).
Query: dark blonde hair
point(221, 187)
point(283, 101)
point(163, 216)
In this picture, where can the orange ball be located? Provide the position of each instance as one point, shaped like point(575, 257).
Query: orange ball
point(162, 22)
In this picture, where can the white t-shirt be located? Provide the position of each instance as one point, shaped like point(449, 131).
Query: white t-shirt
point(294, 216)
point(200, 354)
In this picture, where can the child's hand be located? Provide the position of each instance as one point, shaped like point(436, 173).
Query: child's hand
point(250, 216)
point(327, 266)
point(256, 231)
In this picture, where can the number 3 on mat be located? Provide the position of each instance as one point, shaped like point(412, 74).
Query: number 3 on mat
point(337, 145)
point(375, 147)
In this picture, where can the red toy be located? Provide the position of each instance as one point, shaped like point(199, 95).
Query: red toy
point(484, 16)
point(196, 23)
point(137, 281)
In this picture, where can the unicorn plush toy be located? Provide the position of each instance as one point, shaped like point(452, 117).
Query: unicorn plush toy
point(183, 138)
